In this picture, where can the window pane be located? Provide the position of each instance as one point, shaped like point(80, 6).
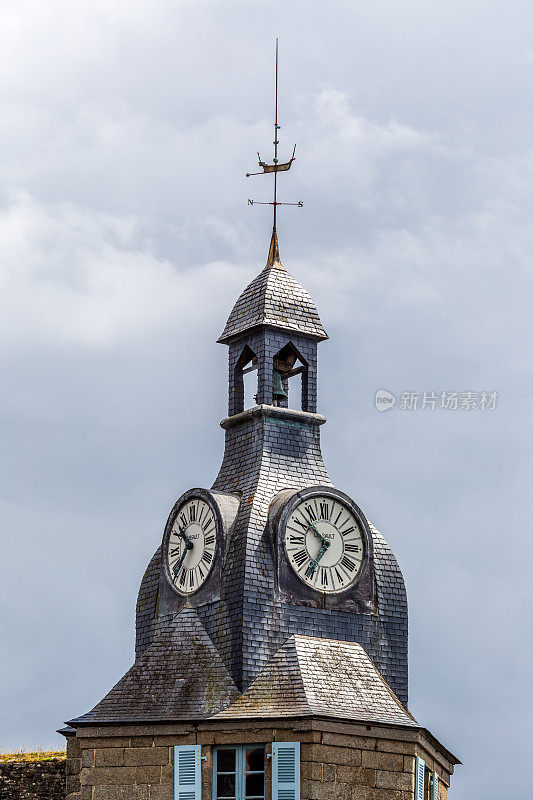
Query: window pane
point(255, 759)
point(255, 784)
point(225, 786)
point(226, 760)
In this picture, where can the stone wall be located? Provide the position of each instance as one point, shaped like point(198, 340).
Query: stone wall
point(339, 761)
point(41, 779)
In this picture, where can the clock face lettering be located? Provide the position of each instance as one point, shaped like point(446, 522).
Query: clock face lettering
point(191, 546)
point(324, 544)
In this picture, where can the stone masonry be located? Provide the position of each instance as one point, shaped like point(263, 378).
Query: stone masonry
point(339, 761)
point(39, 779)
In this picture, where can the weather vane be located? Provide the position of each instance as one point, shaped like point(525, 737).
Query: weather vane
point(275, 167)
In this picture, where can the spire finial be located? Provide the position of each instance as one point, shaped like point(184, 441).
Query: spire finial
point(273, 260)
point(275, 167)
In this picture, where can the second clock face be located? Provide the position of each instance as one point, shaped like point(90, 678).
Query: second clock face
point(191, 545)
point(324, 544)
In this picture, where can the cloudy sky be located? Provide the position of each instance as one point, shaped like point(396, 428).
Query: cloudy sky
point(125, 237)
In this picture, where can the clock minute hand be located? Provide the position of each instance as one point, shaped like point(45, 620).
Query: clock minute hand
point(179, 564)
point(188, 546)
point(314, 564)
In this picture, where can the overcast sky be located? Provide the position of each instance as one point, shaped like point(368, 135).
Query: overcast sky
point(125, 238)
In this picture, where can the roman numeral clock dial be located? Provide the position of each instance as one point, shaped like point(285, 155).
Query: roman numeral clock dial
point(191, 546)
point(324, 544)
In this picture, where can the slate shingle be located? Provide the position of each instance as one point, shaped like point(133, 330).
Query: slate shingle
point(325, 677)
point(180, 676)
point(274, 298)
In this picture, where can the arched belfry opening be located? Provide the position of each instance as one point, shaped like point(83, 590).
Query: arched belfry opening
point(290, 379)
point(245, 380)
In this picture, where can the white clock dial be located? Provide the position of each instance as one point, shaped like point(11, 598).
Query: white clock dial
point(191, 545)
point(324, 544)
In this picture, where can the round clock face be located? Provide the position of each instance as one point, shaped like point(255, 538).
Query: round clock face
point(324, 544)
point(191, 545)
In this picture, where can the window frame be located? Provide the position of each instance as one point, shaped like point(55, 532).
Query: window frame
point(240, 769)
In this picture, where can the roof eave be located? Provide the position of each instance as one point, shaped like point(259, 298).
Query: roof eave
point(226, 338)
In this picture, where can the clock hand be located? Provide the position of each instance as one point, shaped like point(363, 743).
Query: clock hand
point(188, 546)
point(179, 564)
point(316, 531)
point(310, 571)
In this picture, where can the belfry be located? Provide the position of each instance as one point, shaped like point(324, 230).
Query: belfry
point(271, 622)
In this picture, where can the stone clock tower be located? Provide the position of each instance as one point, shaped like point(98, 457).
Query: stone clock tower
point(271, 647)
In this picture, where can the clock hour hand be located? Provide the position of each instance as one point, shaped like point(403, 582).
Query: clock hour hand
point(316, 531)
point(188, 544)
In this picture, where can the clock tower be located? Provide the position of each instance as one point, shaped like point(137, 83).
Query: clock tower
point(271, 622)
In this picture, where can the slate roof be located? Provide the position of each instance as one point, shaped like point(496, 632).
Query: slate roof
point(326, 677)
point(179, 677)
point(274, 298)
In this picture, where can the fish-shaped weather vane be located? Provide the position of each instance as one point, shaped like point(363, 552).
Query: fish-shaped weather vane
point(275, 167)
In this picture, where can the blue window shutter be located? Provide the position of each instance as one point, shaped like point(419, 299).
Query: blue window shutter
point(286, 771)
point(435, 792)
point(419, 778)
point(187, 772)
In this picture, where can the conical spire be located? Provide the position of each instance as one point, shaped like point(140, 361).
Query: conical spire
point(273, 260)
point(276, 300)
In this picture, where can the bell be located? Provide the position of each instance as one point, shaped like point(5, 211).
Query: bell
point(278, 391)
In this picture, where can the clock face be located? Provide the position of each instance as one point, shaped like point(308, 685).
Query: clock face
point(191, 545)
point(324, 544)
